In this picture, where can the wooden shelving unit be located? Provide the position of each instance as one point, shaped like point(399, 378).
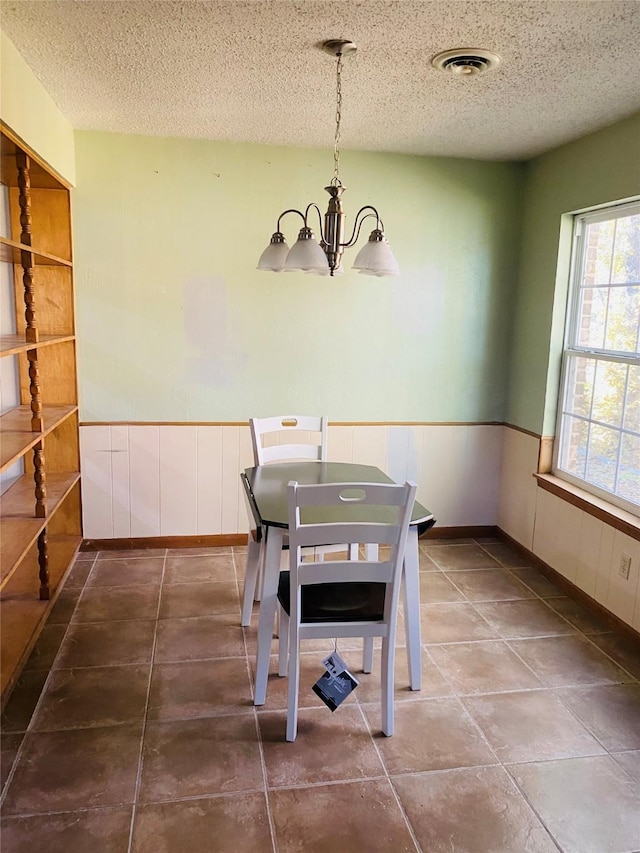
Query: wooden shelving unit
point(14, 252)
point(40, 518)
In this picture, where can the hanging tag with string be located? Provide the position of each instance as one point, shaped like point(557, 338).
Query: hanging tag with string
point(337, 682)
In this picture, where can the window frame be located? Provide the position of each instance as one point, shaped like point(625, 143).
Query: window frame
point(572, 350)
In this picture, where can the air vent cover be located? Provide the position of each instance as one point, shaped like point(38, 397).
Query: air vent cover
point(466, 61)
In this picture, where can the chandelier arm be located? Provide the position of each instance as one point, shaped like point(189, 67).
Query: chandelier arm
point(358, 224)
point(317, 209)
point(292, 210)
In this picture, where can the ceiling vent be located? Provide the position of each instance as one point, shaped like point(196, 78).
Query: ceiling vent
point(466, 61)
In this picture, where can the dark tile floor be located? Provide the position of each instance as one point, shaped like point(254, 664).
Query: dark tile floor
point(132, 726)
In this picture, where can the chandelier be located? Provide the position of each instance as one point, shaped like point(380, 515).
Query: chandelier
point(325, 258)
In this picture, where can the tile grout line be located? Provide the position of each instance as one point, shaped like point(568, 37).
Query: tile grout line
point(581, 636)
point(622, 767)
point(136, 792)
point(557, 692)
point(387, 776)
point(453, 695)
point(114, 806)
point(523, 794)
point(621, 666)
point(272, 829)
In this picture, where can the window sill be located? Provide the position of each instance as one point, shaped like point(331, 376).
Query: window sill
point(618, 518)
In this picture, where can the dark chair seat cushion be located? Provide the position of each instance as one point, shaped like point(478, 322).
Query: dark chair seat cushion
point(332, 602)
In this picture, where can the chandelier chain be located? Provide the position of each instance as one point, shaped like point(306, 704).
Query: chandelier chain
point(335, 181)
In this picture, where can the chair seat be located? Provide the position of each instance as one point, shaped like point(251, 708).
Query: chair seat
point(328, 602)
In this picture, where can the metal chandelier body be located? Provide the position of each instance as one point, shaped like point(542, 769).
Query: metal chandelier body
point(325, 258)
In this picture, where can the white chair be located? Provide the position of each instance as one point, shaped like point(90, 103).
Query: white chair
point(283, 438)
point(351, 598)
point(289, 437)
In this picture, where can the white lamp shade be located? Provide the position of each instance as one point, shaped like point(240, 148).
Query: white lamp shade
point(306, 255)
point(273, 257)
point(376, 258)
point(338, 271)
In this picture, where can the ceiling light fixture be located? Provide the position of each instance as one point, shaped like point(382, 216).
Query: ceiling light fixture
point(325, 258)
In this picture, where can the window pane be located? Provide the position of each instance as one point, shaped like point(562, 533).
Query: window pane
point(626, 255)
point(573, 455)
point(599, 412)
point(580, 386)
point(592, 316)
point(608, 395)
point(629, 473)
point(602, 457)
point(599, 252)
point(623, 319)
point(632, 409)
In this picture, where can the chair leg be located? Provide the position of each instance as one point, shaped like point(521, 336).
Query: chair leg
point(254, 559)
point(371, 553)
point(294, 678)
point(411, 601)
point(387, 697)
point(367, 654)
point(283, 641)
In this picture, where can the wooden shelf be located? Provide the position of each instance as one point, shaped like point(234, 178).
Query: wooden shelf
point(15, 344)
point(11, 252)
point(23, 614)
point(18, 527)
point(41, 174)
point(35, 553)
point(16, 436)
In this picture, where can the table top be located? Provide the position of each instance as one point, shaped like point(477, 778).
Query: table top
point(266, 487)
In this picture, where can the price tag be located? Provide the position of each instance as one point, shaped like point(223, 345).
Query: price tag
point(334, 664)
point(337, 682)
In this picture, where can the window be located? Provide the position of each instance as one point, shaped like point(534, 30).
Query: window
point(598, 445)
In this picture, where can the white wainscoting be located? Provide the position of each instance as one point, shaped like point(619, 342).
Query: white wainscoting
point(184, 480)
point(518, 488)
point(580, 547)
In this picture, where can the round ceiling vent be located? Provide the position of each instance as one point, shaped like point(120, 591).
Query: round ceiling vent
point(466, 61)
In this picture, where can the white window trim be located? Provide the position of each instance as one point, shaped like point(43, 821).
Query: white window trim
point(571, 349)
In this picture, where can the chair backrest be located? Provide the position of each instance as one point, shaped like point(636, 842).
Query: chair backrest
point(368, 513)
point(286, 438)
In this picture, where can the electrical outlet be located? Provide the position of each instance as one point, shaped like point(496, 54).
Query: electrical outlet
point(625, 566)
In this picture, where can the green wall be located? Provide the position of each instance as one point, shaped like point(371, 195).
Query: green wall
point(596, 169)
point(176, 324)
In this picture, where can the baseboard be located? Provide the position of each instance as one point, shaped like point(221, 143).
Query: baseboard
point(478, 531)
point(571, 589)
point(222, 540)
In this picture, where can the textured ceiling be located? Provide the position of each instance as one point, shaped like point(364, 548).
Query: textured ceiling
point(250, 70)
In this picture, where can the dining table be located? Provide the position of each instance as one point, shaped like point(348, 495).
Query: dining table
point(266, 489)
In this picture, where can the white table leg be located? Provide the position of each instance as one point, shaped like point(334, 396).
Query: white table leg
point(411, 591)
point(271, 574)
